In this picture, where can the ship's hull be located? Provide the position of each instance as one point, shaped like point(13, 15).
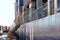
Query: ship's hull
point(48, 27)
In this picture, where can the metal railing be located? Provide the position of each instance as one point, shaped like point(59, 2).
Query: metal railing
point(37, 14)
point(41, 12)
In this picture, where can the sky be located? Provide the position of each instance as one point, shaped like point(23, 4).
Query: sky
point(7, 12)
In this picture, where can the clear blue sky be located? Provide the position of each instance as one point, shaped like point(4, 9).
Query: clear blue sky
point(7, 12)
